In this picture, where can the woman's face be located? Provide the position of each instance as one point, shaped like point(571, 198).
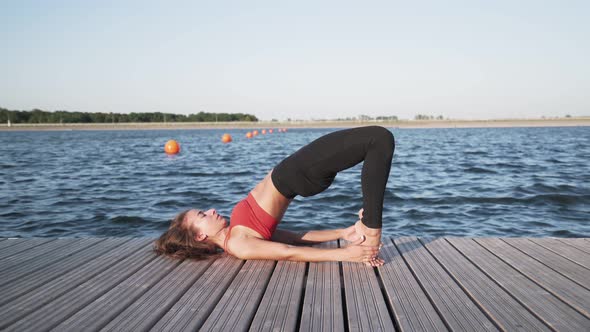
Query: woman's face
point(204, 223)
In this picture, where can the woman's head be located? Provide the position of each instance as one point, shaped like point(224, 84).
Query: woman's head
point(190, 234)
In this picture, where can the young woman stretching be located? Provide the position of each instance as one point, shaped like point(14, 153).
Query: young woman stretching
point(252, 233)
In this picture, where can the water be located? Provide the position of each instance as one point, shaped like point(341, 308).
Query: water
point(443, 182)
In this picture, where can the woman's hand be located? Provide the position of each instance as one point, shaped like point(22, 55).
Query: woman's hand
point(355, 252)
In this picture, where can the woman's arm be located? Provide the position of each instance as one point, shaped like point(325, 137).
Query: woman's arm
point(253, 248)
point(306, 237)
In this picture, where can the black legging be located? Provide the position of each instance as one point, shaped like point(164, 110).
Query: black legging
point(311, 169)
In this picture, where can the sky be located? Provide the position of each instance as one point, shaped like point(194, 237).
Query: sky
point(299, 59)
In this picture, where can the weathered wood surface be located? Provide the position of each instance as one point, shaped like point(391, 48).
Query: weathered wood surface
point(427, 284)
point(322, 301)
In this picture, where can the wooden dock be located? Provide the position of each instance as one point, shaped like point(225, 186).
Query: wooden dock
point(427, 284)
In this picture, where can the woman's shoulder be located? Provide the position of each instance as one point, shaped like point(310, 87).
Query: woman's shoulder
point(238, 237)
point(241, 232)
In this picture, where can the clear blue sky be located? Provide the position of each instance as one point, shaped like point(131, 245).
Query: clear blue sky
point(298, 59)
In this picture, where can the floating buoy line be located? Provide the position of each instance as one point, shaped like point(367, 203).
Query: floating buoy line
point(173, 147)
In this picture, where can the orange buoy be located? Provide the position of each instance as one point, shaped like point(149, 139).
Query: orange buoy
point(226, 138)
point(172, 147)
point(270, 131)
point(263, 131)
point(255, 132)
point(248, 135)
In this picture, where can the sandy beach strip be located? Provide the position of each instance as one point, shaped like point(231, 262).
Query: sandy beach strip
point(561, 122)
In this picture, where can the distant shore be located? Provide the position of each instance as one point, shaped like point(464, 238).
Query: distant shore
point(566, 122)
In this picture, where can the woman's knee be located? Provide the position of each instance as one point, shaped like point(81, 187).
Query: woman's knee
point(383, 138)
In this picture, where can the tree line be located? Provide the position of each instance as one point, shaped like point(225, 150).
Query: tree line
point(364, 117)
point(427, 117)
point(40, 116)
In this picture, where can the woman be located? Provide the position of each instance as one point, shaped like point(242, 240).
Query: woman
point(309, 171)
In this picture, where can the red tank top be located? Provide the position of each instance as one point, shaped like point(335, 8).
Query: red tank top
point(248, 213)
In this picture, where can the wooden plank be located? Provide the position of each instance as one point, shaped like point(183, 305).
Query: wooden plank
point(365, 307)
point(190, 312)
point(7, 242)
point(145, 312)
point(572, 253)
point(101, 311)
point(279, 308)
point(29, 302)
point(17, 269)
point(411, 308)
point(43, 276)
point(237, 307)
point(458, 311)
point(580, 244)
point(11, 247)
point(508, 314)
point(545, 306)
point(33, 251)
point(322, 302)
point(568, 291)
point(570, 270)
point(56, 311)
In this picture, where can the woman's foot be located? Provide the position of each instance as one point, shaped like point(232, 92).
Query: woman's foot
point(372, 238)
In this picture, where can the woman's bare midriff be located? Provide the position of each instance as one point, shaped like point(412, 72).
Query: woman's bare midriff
point(269, 198)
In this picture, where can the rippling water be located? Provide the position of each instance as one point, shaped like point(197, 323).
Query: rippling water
point(452, 182)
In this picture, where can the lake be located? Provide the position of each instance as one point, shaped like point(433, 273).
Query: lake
point(443, 182)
